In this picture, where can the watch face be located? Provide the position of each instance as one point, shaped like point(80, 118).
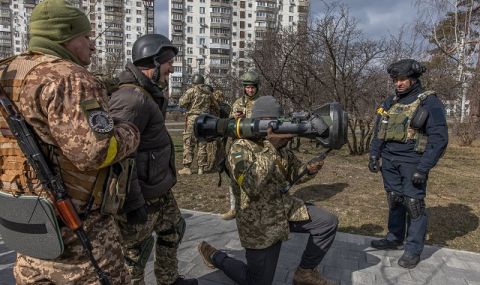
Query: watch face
point(100, 122)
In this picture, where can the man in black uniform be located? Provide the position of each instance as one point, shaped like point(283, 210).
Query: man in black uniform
point(410, 136)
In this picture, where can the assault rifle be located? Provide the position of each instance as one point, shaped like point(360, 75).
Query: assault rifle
point(52, 182)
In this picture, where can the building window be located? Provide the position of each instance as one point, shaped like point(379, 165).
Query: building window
point(139, 20)
point(242, 4)
point(242, 24)
point(189, 60)
point(202, 10)
point(128, 19)
point(202, 20)
point(290, 19)
point(189, 40)
point(202, 31)
point(290, 9)
point(242, 34)
point(250, 5)
point(189, 8)
point(202, 41)
point(242, 14)
point(127, 11)
point(189, 50)
point(189, 19)
point(189, 30)
point(129, 52)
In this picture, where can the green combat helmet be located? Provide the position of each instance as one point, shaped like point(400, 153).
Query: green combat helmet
point(198, 79)
point(250, 78)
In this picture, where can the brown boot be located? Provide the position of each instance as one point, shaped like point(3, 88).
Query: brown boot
point(185, 171)
point(230, 215)
point(207, 251)
point(309, 277)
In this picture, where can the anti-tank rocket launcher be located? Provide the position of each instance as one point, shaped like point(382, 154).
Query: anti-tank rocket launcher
point(327, 125)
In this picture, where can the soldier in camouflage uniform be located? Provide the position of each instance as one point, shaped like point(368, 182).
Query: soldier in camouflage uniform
point(196, 100)
point(242, 108)
point(216, 149)
point(265, 217)
point(140, 100)
point(67, 109)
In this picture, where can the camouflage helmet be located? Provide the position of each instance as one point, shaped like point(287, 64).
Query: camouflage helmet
point(151, 50)
point(198, 79)
point(250, 78)
point(409, 68)
point(266, 107)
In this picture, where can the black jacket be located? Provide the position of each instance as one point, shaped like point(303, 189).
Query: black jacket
point(435, 128)
point(140, 101)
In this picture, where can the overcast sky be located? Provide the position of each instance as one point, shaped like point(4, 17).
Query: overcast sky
point(376, 18)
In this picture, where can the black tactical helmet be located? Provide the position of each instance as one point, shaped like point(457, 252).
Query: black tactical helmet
point(198, 79)
point(406, 68)
point(250, 78)
point(266, 107)
point(152, 48)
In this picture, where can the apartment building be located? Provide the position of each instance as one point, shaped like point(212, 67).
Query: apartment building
point(214, 36)
point(116, 24)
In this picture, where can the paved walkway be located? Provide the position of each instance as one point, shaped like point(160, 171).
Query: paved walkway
point(349, 261)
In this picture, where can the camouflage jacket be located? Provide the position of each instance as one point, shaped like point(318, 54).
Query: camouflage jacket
point(243, 105)
point(197, 100)
point(67, 108)
point(263, 212)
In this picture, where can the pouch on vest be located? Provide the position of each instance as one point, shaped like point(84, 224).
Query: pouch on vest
point(397, 127)
point(28, 225)
point(117, 186)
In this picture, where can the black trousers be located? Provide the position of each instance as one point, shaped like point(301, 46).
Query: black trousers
point(262, 263)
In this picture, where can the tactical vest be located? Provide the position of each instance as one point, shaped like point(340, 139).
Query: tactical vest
point(395, 123)
point(16, 175)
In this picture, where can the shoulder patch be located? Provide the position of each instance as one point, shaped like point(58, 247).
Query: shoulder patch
point(98, 119)
point(100, 122)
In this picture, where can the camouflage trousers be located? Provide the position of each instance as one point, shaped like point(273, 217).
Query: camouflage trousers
point(73, 266)
point(165, 219)
point(215, 153)
point(189, 142)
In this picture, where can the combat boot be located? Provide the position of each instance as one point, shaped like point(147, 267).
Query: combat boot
point(182, 281)
point(207, 251)
point(185, 171)
point(309, 277)
point(230, 215)
point(409, 260)
point(386, 244)
point(200, 171)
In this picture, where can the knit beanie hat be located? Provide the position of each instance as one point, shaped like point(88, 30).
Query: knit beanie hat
point(58, 21)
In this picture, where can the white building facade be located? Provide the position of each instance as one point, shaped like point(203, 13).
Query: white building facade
point(116, 24)
point(214, 36)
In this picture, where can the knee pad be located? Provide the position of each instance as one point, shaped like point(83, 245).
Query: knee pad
point(394, 200)
point(415, 207)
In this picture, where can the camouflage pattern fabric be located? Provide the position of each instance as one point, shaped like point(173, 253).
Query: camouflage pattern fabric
point(73, 267)
point(196, 100)
point(263, 212)
point(244, 105)
point(50, 99)
point(189, 143)
point(161, 220)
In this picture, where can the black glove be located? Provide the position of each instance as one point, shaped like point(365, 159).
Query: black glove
point(137, 216)
point(373, 164)
point(419, 178)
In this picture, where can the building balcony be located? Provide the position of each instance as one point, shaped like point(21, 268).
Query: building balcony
point(220, 25)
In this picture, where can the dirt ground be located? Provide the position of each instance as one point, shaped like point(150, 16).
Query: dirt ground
point(356, 196)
